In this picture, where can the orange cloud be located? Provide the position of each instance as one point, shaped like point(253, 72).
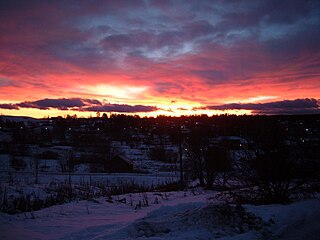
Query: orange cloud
point(146, 54)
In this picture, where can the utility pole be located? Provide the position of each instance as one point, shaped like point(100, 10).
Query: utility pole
point(180, 156)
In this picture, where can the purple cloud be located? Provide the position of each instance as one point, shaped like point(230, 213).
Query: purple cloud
point(65, 31)
point(4, 82)
point(297, 106)
point(9, 106)
point(61, 104)
point(214, 42)
point(78, 104)
point(121, 108)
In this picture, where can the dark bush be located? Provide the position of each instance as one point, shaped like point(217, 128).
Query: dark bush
point(271, 177)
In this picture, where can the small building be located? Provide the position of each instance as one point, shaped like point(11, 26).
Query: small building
point(120, 163)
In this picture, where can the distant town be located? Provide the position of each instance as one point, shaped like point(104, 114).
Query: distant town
point(91, 167)
point(122, 143)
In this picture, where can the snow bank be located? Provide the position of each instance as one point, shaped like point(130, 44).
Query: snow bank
point(299, 220)
point(175, 215)
point(194, 221)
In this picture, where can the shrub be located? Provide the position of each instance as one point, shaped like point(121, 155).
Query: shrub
point(270, 177)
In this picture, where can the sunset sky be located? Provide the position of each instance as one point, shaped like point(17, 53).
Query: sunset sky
point(159, 57)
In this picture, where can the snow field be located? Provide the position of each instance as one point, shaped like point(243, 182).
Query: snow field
point(174, 215)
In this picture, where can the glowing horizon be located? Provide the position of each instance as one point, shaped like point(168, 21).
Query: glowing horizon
point(159, 57)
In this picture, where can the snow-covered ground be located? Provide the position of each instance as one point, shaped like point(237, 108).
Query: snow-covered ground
point(299, 220)
point(174, 215)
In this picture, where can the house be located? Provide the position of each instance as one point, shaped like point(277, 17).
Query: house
point(120, 163)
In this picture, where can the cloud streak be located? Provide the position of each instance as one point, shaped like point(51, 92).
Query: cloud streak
point(297, 106)
point(61, 104)
point(78, 104)
point(121, 108)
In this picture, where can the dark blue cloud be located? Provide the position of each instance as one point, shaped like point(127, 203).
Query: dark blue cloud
point(79, 31)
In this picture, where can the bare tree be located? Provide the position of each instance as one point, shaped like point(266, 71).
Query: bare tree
point(195, 146)
point(216, 161)
point(270, 177)
point(67, 163)
point(36, 168)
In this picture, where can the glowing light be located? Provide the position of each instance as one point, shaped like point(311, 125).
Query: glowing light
point(121, 92)
point(258, 99)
